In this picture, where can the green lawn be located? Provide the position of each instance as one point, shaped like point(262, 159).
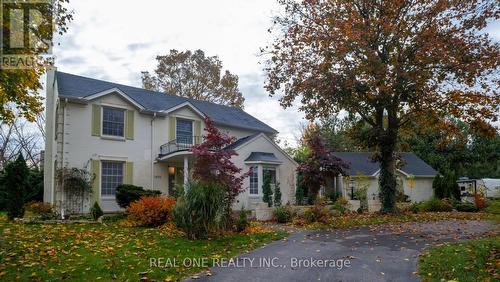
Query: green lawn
point(474, 260)
point(89, 252)
point(493, 210)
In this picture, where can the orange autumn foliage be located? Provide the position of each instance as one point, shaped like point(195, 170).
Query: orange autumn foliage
point(256, 228)
point(150, 211)
point(480, 201)
point(393, 64)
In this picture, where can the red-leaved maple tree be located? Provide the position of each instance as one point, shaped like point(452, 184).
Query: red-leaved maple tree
point(213, 163)
point(320, 163)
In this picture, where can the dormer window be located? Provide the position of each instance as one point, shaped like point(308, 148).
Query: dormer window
point(184, 131)
point(113, 121)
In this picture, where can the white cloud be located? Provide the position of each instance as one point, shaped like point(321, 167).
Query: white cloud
point(116, 40)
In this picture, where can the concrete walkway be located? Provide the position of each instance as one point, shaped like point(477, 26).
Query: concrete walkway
point(380, 253)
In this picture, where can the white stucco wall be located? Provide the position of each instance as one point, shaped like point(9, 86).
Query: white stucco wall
point(77, 147)
point(421, 191)
point(187, 113)
point(50, 142)
point(80, 146)
point(372, 188)
point(285, 172)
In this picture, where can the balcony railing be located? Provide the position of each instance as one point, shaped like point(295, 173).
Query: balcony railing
point(179, 144)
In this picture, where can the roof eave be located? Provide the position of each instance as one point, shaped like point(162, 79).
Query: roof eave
point(83, 101)
point(182, 105)
point(116, 91)
point(263, 162)
point(272, 131)
point(77, 100)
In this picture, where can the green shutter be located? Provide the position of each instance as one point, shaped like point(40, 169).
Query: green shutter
point(171, 130)
point(96, 120)
point(129, 125)
point(197, 131)
point(97, 179)
point(129, 173)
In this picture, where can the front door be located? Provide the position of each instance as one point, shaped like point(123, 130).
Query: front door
point(175, 182)
point(171, 184)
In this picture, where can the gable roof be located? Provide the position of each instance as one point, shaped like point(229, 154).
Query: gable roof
point(262, 157)
point(240, 141)
point(251, 138)
point(79, 87)
point(360, 162)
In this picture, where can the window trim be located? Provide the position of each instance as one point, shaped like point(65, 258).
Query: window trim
point(192, 130)
point(113, 137)
point(101, 176)
point(260, 169)
point(256, 168)
point(271, 168)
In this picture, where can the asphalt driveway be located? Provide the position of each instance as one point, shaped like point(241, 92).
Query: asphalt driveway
point(382, 253)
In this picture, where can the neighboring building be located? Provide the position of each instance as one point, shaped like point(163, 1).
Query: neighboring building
point(489, 187)
point(124, 134)
point(414, 176)
point(468, 187)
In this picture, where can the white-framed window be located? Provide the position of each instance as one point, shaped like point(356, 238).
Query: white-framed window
point(184, 131)
point(111, 177)
point(272, 173)
point(254, 180)
point(113, 121)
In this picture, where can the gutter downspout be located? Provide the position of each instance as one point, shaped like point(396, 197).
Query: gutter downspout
point(62, 157)
point(152, 146)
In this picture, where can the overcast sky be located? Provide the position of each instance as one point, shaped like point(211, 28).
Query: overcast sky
point(115, 40)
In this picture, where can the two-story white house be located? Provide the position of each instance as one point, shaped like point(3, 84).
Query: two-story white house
point(124, 134)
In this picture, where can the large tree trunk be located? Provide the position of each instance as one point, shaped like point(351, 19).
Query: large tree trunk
point(387, 145)
point(387, 179)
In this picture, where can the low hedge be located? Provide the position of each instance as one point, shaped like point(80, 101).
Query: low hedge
point(126, 194)
point(432, 205)
point(283, 214)
point(466, 207)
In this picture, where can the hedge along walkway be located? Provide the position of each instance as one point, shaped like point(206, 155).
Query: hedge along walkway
point(365, 219)
point(89, 252)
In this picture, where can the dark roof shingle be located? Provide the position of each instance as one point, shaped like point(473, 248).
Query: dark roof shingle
point(360, 162)
point(262, 157)
point(240, 141)
point(74, 86)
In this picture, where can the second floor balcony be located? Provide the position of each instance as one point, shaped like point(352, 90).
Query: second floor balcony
point(181, 143)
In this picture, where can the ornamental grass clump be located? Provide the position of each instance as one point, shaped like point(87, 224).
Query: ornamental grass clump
point(213, 167)
point(199, 212)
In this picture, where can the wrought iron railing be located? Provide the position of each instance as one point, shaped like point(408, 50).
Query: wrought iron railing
point(183, 143)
